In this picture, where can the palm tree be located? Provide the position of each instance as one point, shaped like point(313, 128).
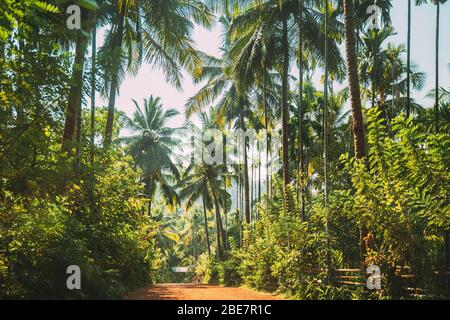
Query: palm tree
point(158, 32)
point(384, 68)
point(263, 31)
point(408, 62)
point(192, 190)
point(151, 144)
point(74, 101)
point(207, 181)
point(355, 98)
point(436, 88)
point(234, 105)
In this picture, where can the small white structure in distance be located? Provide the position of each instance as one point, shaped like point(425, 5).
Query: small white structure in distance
point(181, 269)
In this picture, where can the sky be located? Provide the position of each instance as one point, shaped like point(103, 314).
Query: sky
point(151, 81)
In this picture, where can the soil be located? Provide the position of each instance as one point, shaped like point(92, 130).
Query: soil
point(192, 291)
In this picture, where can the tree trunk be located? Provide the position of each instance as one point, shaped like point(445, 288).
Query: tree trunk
point(284, 99)
point(225, 213)
point(266, 125)
point(436, 103)
point(259, 173)
point(219, 228)
point(252, 189)
point(246, 178)
point(117, 51)
point(75, 93)
point(246, 186)
point(150, 195)
point(408, 64)
point(301, 112)
point(206, 227)
point(93, 83)
point(355, 99)
point(325, 147)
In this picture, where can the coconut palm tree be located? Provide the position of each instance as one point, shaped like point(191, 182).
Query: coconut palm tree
point(158, 32)
point(384, 69)
point(151, 144)
point(438, 4)
point(264, 31)
point(233, 104)
point(355, 98)
point(74, 101)
point(207, 182)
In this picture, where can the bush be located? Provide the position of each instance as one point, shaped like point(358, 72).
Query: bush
point(206, 269)
point(97, 226)
point(229, 274)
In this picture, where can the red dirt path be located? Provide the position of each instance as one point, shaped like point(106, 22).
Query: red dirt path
point(191, 291)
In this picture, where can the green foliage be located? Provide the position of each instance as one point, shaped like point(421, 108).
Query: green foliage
point(402, 193)
point(206, 269)
point(98, 228)
point(229, 269)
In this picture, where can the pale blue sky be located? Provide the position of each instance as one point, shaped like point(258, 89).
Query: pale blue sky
point(151, 81)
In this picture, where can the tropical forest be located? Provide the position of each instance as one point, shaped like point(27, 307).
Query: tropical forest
point(211, 149)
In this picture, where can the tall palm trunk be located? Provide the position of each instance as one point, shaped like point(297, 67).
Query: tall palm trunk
point(266, 125)
point(325, 144)
point(259, 172)
point(408, 64)
point(206, 226)
point(93, 72)
point(117, 51)
point(252, 189)
point(355, 99)
point(301, 112)
point(246, 178)
point(436, 102)
point(150, 195)
point(219, 227)
point(225, 213)
point(75, 93)
point(284, 101)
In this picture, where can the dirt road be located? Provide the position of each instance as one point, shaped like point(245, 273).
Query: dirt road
point(198, 292)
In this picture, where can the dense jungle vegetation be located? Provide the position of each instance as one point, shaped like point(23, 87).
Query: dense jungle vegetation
point(364, 172)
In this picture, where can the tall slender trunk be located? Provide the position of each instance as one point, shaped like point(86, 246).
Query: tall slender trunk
point(266, 125)
point(325, 144)
point(408, 64)
point(238, 191)
point(150, 195)
point(436, 103)
point(284, 99)
point(259, 172)
point(246, 182)
point(75, 93)
point(219, 228)
point(117, 51)
point(225, 213)
point(252, 189)
point(79, 125)
point(301, 112)
point(355, 99)
point(93, 82)
point(206, 227)
point(246, 186)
